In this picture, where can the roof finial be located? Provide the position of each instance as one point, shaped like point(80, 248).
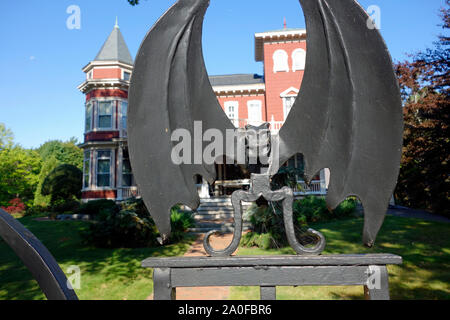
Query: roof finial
point(285, 24)
point(117, 23)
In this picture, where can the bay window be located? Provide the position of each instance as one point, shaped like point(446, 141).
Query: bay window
point(124, 114)
point(105, 114)
point(88, 125)
point(87, 169)
point(127, 175)
point(103, 169)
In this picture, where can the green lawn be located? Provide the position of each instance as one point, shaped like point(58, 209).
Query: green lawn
point(105, 273)
point(424, 246)
point(116, 274)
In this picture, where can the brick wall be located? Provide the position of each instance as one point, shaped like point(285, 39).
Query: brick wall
point(276, 83)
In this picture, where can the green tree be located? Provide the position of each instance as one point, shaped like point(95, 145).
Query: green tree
point(65, 152)
point(48, 166)
point(6, 137)
point(19, 172)
point(424, 177)
point(55, 153)
point(63, 183)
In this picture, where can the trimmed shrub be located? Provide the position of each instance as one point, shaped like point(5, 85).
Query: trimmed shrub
point(69, 206)
point(63, 183)
point(268, 230)
point(36, 211)
point(94, 208)
point(129, 225)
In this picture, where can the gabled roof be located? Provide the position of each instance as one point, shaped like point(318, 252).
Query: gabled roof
point(236, 79)
point(115, 48)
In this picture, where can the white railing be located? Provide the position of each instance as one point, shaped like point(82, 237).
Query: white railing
point(128, 193)
point(316, 187)
point(275, 126)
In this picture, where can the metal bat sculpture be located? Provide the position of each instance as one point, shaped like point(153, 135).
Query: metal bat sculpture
point(347, 116)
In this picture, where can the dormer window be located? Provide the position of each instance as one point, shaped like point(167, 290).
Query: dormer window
point(105, 114)
point(280, 61)
point(126, 76)
point(298, 60)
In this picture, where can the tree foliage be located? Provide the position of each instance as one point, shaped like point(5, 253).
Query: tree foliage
point(63, 183)
point(55, 153)
point(6, 137)
point(424, 178)
point(19, 172)
point(65, 152)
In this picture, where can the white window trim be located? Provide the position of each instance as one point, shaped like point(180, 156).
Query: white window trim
point(92, 116)
point(277, 65)
point(120, 114)
point(234, 104)
point(122, 173)
point(287, 94)
point(111, 171)
point(89, 183)
point(259, 102)
point(294, 67)
point(123, 74)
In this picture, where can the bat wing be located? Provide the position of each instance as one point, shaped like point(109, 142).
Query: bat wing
point(348, 114)
point(169, 91)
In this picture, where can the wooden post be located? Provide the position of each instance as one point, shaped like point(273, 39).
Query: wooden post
point(162, 286)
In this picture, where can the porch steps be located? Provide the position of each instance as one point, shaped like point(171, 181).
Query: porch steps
point(216, 214)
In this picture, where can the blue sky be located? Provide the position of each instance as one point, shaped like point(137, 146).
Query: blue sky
point(41, 59)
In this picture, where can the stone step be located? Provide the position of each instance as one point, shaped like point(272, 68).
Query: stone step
point(213, 216)
point(228, 206)
point(206, 230)
point(215, 209)
point(223, 229)
point(218, 225)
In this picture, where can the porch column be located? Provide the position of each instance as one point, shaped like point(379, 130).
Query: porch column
point(120, 174)
point(204, 191)
point(323, 182)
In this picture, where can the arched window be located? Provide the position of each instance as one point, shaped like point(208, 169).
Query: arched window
point(280, 61)
point(289, 96)
point(298, 59)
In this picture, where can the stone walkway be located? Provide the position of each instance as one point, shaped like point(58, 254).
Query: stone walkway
point(204, 293)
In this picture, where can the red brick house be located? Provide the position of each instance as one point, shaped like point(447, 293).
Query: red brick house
point(245, 98)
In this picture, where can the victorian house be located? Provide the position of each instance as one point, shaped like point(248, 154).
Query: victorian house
point(245, 98)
